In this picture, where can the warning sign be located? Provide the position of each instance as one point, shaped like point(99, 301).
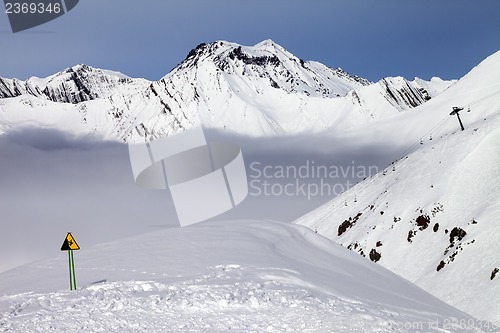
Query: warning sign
point(69, 243)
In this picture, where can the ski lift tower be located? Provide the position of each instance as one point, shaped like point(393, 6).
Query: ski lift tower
point(456, 111)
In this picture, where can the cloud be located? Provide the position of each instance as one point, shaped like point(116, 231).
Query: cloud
point(52, 183)
point(50, 139)
point(317, 156)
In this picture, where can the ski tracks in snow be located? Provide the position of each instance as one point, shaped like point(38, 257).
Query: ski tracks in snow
point(224, 299)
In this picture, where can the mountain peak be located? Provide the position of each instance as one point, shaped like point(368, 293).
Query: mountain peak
point(221, 82)
point(83, 69)
point(73, 85)
point(266, 42)
point(269, 45)
point(270, 62)
point(79, 68)
point(221, 50)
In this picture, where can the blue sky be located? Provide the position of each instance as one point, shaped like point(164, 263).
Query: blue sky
point(372, 39)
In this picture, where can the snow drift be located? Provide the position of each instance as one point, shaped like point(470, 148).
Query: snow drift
point(245, 276)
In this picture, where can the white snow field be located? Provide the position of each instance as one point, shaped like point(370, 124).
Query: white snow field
point(238, 276)
point(432, 216)
point(437, 206)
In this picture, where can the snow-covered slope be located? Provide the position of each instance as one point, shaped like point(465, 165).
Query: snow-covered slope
point(243, 276)
point(431, 217)
point(433, 87)
point(258, 90)
point(76, 84)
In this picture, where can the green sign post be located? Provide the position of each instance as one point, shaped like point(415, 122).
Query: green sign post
point(70, 245)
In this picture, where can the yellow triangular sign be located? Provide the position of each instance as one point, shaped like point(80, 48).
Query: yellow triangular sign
point(69, 243)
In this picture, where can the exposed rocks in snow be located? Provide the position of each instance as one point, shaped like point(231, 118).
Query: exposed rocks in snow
point(374, 255)
point(411, 234)
point(349, 223)
point(422, 222)
point(456, 234)
point(494, 273)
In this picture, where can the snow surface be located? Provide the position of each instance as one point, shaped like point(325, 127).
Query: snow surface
point(435, 86)
point(260, 90)
point(452, 179)
point(266, 91)
point(242, 276)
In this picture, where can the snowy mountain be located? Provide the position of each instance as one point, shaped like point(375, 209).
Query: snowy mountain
point(258, 90)
point(431, 216)
point(428, 217)
point(74, 85)
point(243, 276)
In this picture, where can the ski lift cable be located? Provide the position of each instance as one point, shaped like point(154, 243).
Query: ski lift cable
point(482, 99)
point(444, 120)
point(440, 123)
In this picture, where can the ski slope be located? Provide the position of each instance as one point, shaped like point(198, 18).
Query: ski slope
point(266, 276)
point(431, 216)
point(241, 276)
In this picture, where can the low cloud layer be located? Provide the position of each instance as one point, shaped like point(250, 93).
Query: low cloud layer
point(50, 139)
point(52, 183)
